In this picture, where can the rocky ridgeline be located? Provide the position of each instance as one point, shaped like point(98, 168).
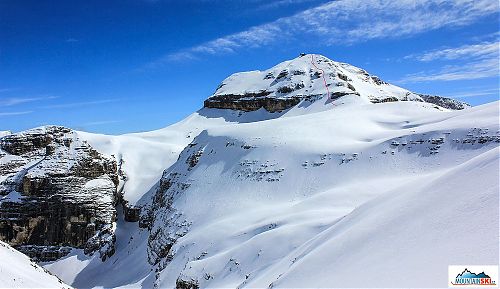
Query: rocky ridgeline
point(56, 192)
point(445, 102)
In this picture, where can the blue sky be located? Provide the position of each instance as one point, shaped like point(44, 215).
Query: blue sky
point(138, 65)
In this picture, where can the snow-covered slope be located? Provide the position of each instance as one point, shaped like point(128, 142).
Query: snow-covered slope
point(313, 173)
point(244, 198)
point(250, 204)
point(18, 271)
point(144, 156)
point(421, 224)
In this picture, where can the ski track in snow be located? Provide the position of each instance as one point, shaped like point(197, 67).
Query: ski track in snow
point(322, 75)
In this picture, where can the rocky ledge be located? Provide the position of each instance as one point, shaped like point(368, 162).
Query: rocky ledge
point(250, 102)
point(56, 192)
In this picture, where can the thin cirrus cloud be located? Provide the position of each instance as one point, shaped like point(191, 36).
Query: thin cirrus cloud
point(80, 104)
point(22, 100)
point(346, 22)
point(281, 3)
point(480, 60)
point(481, 92)
point(14, 113)
point(101, 122)
point(482, 50)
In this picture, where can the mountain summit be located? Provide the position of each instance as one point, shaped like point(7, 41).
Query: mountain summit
point(307, 78)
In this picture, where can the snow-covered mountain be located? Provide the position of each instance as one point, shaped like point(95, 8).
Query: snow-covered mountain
point(18, 271)
point(308, 78)
point(313, 173)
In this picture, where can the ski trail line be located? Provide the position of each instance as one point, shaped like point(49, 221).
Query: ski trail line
point(322, 74)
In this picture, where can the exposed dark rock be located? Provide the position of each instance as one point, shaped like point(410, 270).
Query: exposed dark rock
point(445, 102)
point(282, 75)
point(131, 213)
point(44, 253)
point(383, 100)
point(186, 284)
point(298, 72)
point(343, 76)
point(316, 75)
point(377, 80)
point(194, 159)
point(339, 94)
point(251, 102)
point(269, 76)
point(284, 89)
point(56, 191)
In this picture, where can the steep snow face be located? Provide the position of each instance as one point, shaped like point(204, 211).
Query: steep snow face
point(256, 204)
point(142, 157)
point(18, 271)
point(309, 76)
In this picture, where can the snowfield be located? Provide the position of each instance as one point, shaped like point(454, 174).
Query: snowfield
point(372, 187)
point(319, 198)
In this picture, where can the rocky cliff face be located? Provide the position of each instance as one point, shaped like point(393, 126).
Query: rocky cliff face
point(56, 191)
point(243, 103)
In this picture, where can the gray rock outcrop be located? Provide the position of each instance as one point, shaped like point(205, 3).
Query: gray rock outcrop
point(56, 191)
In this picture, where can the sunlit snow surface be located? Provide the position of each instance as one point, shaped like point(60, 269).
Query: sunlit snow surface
point(18, 271)
point(323, 195)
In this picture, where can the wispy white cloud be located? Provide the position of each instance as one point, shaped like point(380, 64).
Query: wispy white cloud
point(280, 3)
point(472, 70)
point(14, 113)
point(2, 90)
point(80, 104)
point(472, 61)
point(101, 122)
point(20, 100)
point(473, 93)
point(346, 22)
point(479, 50)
